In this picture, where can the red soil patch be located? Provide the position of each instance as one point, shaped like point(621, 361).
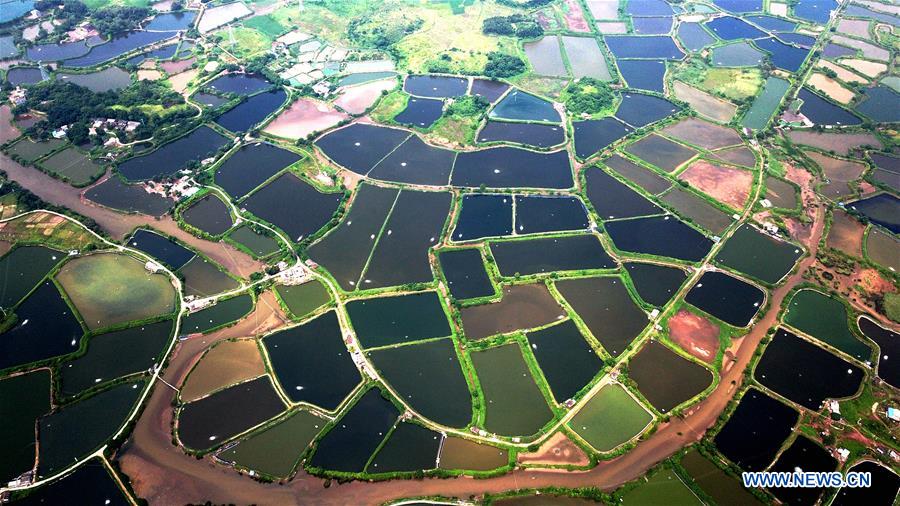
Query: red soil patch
point(575, 17)
point(727, 185)
point(558, 450)
point(695, 335)
point(845, 234)
point(304, 117)
point(356, 99)
point(176, 67)
point(7, 130)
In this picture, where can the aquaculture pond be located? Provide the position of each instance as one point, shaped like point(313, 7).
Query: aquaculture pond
point(729, 299)
point(30, 150)
point(465, 273)
point(252, 165)
point(805, 373)
point(162, 53)
point(118, 46)
point(521, 307)
point(22, 269)
point(823, 112)
point(639, 110)
point(23, 76)
point(508, 167)
point(825, 318)
point(276, 450)
point(79, 429)
point(610, 418)
point(888, 346)
point(303, 299)
point(208, 422)
point(655, 284)
point(484, 216)
point(659, 235)
point(436, 86)
point(209, 214)
point(415, 162)
point(162, 248)
point(765, 104)
point(732, 28)
point(532, 134)
point(364, 77)
point(644, 74)
point(613, 199)
point(594, 299)
point(45, 327)
point(885, 484)
point(72, 165)
point(488, 89)
point(115, 354)
point(882, 209)
point(514, 404)
point(58, 52)
point(807, 455)
point(204, 278)
point(783, 56)
point(312, 363)
point(738, 54)
point(174, 156)
point(769, 22)
point(401, 255)
point(663, 487)
point(781, 193)
point(722, 487)
point(521, 106)
point(91, 483)
point(880, 105)
point(390, 320)
point(697, 209)
point(359, 146)
point(550, 254)
point(755, 431)
point(172, 21)
point(646, 46)
point(661, 152)
point(345, 250)
point(757, 254)
point(117, 194)
point(410, 447)
point(293, 205)
point(224, 311)
point(665, 378)
point(239, 84)
point(817, 11)
point(420, 112)
point(349, 444)
point(545, 56)
point(693, 36)
point(108, 79)
point(566, 359)
point(458, 453)
point(260, 245)
point(208, 99)
point(428, 377)
point(592, 136)
point(652, 25)
point(23, 399)
point(251, 111)
point(537, 214)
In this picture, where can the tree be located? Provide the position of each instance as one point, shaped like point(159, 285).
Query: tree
point(588, 96)
point(503, 65)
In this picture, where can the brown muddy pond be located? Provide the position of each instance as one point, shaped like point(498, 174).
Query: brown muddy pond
point(522, 307)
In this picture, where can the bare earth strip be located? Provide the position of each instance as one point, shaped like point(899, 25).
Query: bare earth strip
point(695, 335)
point(357, 99)
point(558, 450)
point(842, 73)
point(727, 185)
point(830, 87)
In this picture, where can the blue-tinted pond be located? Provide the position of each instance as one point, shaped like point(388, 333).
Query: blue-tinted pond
point(729, 299)
point(739, 54)
point(856, 10)
point(648, 8)
point(490, 90)
point(882, 104)
point(117, 47)
point(640, 110)
point(783, 56)
point(253, 110)
point(644, 74)
point(14, 9)
point(172, 21)
point(823, 112)
point(592, 136)
point(7, 46)
point(632, 46)
point(162, 248)
point(241, 84)
point(532, 134)
point(484, 216)
point(536, 214)
point(436, 86)
point(162, 53)
point(740, 5)
point(56, 52)
point(508, 167)
point(652, 25)
point(731, 28)
point(420, 112)
point(799, 39)
point(659, 235)
point(173, 156)
point(23, 76)
point(770, 22)
point(693, 36)
point(765, 103)
point(519, 105)
point(815, 10)
point(882, 209)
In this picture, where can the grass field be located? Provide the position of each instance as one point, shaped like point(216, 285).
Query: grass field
point(610, 418)
point(389, 106)
point(247, 41)
point(109, 288)
point(663, 488)
point(97, 4)
point(267, 25)
point(48, 229)
point(732, 83)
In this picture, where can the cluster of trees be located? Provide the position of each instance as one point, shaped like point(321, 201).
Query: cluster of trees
point(118, 19)
point(70, 104)
point(526, 4)
point(501, 65)
point(371, 32)
point(469, 106)
point(588, 96)
point(518, 25)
